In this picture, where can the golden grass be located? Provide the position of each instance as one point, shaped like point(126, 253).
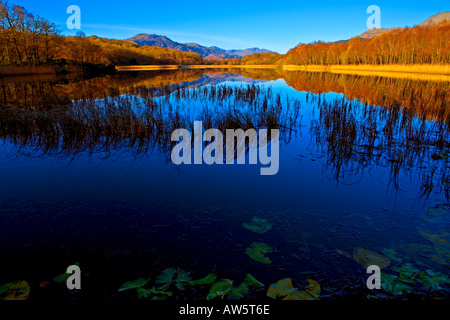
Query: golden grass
point(415, 72)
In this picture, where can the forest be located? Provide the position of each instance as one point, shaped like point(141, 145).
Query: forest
point(27, 39)
point(422, 44)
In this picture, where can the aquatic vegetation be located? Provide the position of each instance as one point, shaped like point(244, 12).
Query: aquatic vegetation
point(167, 278)
point(257, 250)
point(17, 290)
point(441, 244)
point(62, 278)
point(352, 137)
point(366, 258)
point(220, 289)
point(284, 289)
point(258, 225)
point(225, 287)
point(252, 282)
point(136, 284)
point(392, 255)
point(435, 213)
point(209, 279)
point(409, 276)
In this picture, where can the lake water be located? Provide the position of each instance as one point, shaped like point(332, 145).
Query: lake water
point(364, 178)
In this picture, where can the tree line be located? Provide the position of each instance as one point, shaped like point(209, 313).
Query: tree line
point(24, 37)
point(28, 39)
point(422, 44)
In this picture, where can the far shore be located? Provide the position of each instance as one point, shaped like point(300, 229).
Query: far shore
point(199, 66)
point(415, 72)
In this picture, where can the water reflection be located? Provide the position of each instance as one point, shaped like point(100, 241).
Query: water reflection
point(135, 113)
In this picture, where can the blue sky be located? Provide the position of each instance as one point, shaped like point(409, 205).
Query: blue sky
point(234, 24)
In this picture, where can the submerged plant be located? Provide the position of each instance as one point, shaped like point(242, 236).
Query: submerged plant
point(284, 289)
point(257, 250)
point(258, 225)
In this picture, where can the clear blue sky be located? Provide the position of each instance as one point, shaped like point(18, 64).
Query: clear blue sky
point(234, 24)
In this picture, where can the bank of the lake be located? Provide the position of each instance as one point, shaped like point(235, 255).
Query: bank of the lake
point(60, 68)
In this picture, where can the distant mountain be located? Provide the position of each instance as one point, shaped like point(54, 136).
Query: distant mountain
point(436, 19)
point(369, 34)
point(206, 52)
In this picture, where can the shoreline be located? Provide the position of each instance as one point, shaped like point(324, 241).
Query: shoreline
point(197, 66)
point(417, 72)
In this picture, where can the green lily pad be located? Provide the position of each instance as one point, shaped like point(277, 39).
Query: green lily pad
point(165, 278)
point(210, 278)
point(239, 292)
point(395, 285)
point(431, 279)
point(17, 290)
point(62, 278)
point(143, 293)
point(252, 282)
point(183, 279)
point(392, 255)
point(258, 225)
point(139, 283)
point(408, 272)
point(367, 258)
point(257, 250)
point(220, 289)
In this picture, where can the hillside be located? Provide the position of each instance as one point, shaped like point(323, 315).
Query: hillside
point(436, 19)
point(206, 52)
point(422, 44)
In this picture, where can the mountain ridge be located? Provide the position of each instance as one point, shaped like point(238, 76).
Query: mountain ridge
point(210, 53)
point(435, 19)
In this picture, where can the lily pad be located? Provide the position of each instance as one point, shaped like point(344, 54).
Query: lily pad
point(183, 279)
point(167, 277)
point(17, 290)
point(252, 282)
point(395, 285)
point(281, 288)
point(139, 283)
point(441, 245)
point(258, 225)
point(311, 292)
point(408, 272)
point(62, 278)
point(392, 255)
point(367, 258)
point(210, 278)
point(239, 292)
point(434, 213)
point(220, 289)
point(257, 250)
point(284, 289)
point(431, 279)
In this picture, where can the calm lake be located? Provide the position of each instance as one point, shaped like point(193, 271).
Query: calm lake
point(364, 178)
